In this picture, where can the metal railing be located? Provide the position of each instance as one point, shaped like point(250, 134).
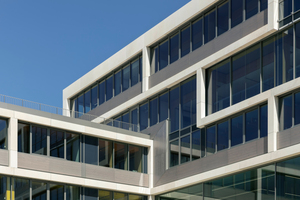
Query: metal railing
point(68, 113)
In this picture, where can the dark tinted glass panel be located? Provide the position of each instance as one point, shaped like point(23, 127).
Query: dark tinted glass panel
point(3, 135)
point(90, 194)
point(297, 108)
point(285, 8)
point(72, 192)
point(296, 5)
point(153, 112)
point(286, 114)
point(174, 48)
point(73, 147)
point(209, 26)
point(223, 18)
point(211, 140)
point(134, 119)
point(196, 145)
point(263, 5)
point(135, 197)
point(120, 196)
point(118, 122)
point(21, 188)
point(251, 8)
point(251, 125)
point(23, 136)
point(236, 12)
point(105, 195)
point(80, 105)
point(91, 150)
point(197, 35)
point(185, 149)
point(118, 82)
point(105, 153)
point(185, 41)
point(188, 103)
point(163, 107)
point(135, 158)
point(174, 153)
point(144, 116)
point(268, 64)
point(126, 121)
point(126, 78)
point(56, 192)
point(141, 69)
point(155, 59)
point(57, 144)
point(297, 48)
point(101, 92)
point(174, 109)
point(264, 121)
point(94, 97)
point(39, 190)
point(163, 55)
point(218, 87)
point(120, 156)
point(236, 130)
point(87, 101)
point(39, 140)
point(246, 74)
point(223, 136)
point(134, 72)
point(109, 88)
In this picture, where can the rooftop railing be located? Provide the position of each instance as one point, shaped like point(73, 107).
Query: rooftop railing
point(68, 113)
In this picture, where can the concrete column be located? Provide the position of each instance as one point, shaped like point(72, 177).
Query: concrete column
point(273, 7)
point(12, 135)
point(200, 95)
point(151, 165)
point(151, 197)
point(259, 184)
point(273, 123)
point(146, 68)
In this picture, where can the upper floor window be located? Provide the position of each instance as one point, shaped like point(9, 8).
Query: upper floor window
point(3, 134)
point(289, 10)
point(209, 25)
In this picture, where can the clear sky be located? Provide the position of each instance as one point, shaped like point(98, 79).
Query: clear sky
point(47, 45)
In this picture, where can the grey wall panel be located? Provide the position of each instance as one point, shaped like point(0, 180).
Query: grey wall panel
point(117, 100)
point(220, 159)
point(60, 166)
point(288, 137)
point(3, 157)
point(116, 175)
point(211, 47)
point(34, 162)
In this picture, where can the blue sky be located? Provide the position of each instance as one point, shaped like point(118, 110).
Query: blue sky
point(46, 45)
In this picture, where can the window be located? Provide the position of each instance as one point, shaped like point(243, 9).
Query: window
point(23, 138)
point(94, 97)
point(135, 158)
point(223, 18)
point(209, 26)
point(91, 150)
point(174, 48)
point(57, 144)
point(197, 34)
point(251, 8)
point(39, 140)
point(118, 82)
point(87, 101)
point(109, 88)
point(163, 107)
point(126, 78)
point(73, 147)
point(174, 109)
point(134, 72)
point(185, 149)
point(153, 111)
point(143, 116)
point(102, 92)
point(185, 41)
point(120, 156)
point(236, 12)
point(105, 153)
point(222, 136)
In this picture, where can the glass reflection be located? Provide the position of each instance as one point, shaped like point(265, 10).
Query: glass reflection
point(223, 18)
point(23, 137)
point(39, 190)
point(251, 125)
point(105, 153)
point(185, 149)
point(185, 41)
point(210, 140)
point(56, 192)
point(174, 48)
point(57, 144)
point(163, 55)
point(222, 136)
point(236, 130)
point(174, 153)
point(135, 158)
point(126, 78)
point(91, 150)
point(209, 26)
point(120, 155)
point(72, 192)
point(21, 189)
point(197, 35)
point(39, 140)
point(73, 147)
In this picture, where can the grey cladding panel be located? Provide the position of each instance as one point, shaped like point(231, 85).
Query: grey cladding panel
point(211, 47)
point(3, 157)
point(288, 137)
point(117, 100)
point(220, 159)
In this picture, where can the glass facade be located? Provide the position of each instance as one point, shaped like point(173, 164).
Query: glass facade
point(203, 29)
point(81, 148)
point(105, 89)
point(194, 143)
point(3, 134)
point(289, 10)
point(259, 68)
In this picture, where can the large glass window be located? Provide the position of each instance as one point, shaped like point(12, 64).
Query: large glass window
point(185, 149)
point(134, 119)
point(174, 109)
point(105, 195)
point(39, 140)
point(153, 111)
point(23, 137)
point(297, 49)
point(188, 103)
point(57, 143)
point(39, 190)
point(246, 74)
point(197, 34)
point(211, 140)
point(222, 136)
point(21, 189)
point(105, 153)
point(109, 88)
point(126, 78)
point(268, 64)
point(118, 82)
point(223, 18)
point(3, 134)
point(263, 121)
point(237, 130)
point(251, 125)
point(135, 158)
point(94, 94)
point(174, 153)
point(91, 150)
point(120, 156)
point(80, 105)
point(87, 101)
point(236, 12)
point(263, 5)
point(90, 194)
point(174, 48)
point(286, 112)
point(218, 94)
point(56, 192)
point(73, 147)
point(185, 41)
point(143, 116)
point(163, 107)
point(134, 72)
point(102, 92)
point(210, 26)
point(163, 55)
point(72, 192)
point(196, 144)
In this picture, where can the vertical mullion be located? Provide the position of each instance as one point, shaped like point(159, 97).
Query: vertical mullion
point(229, 14)
point(259, 121)
point(191, 135)
point(169, 52)
point(48, 142)
point(30, 189)
point(203, 29)
point(191, 48)
point(293, 109)
point(244, 10)
point(244, 128)
point(230, 74)
point(229, 133)
point(65, 145)
point(179, 44)
point(261, 67)
point(216, 138)
point(179, 149)
point(98, 148)
point(258, 6)
point(294, 50)
point(216, 21)
point(113, 154)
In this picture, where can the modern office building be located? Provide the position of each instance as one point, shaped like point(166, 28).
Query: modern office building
point(205, 105)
